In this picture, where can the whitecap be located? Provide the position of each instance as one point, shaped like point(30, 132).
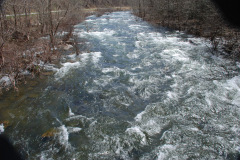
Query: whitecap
point(73, 129)
point(90, 57)
point(1, 128)
point(139, 116)
point(78, 117)
point(5, 80)
point(63, 136)
point(70, 113)
point(172, 95)
point(97, 34)
point(165, 151)
point(137, 131)
point(229, 90)
point(65, 69)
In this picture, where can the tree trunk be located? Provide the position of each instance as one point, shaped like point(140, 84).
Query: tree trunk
point(15, 16)
point(50, 26)
point(1, 55)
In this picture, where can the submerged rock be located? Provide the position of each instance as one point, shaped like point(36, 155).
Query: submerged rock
point(5, 81)
point(190, 41)
point(67, 47)
point(5, 123)
point(50, 133)
point(47, 73)
point(33, 95)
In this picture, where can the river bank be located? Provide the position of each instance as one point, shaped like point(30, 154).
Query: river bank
point(201, 19)
point(25, 56)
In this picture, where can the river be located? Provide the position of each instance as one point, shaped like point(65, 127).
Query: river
point(136, 92)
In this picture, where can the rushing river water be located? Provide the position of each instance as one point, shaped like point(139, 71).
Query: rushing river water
point(138, 92)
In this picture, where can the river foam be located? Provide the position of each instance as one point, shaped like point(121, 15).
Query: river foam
point(1, 128)
point(85, 58)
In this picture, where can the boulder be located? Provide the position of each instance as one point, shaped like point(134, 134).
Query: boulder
point(5, 123)
point(50, 133)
